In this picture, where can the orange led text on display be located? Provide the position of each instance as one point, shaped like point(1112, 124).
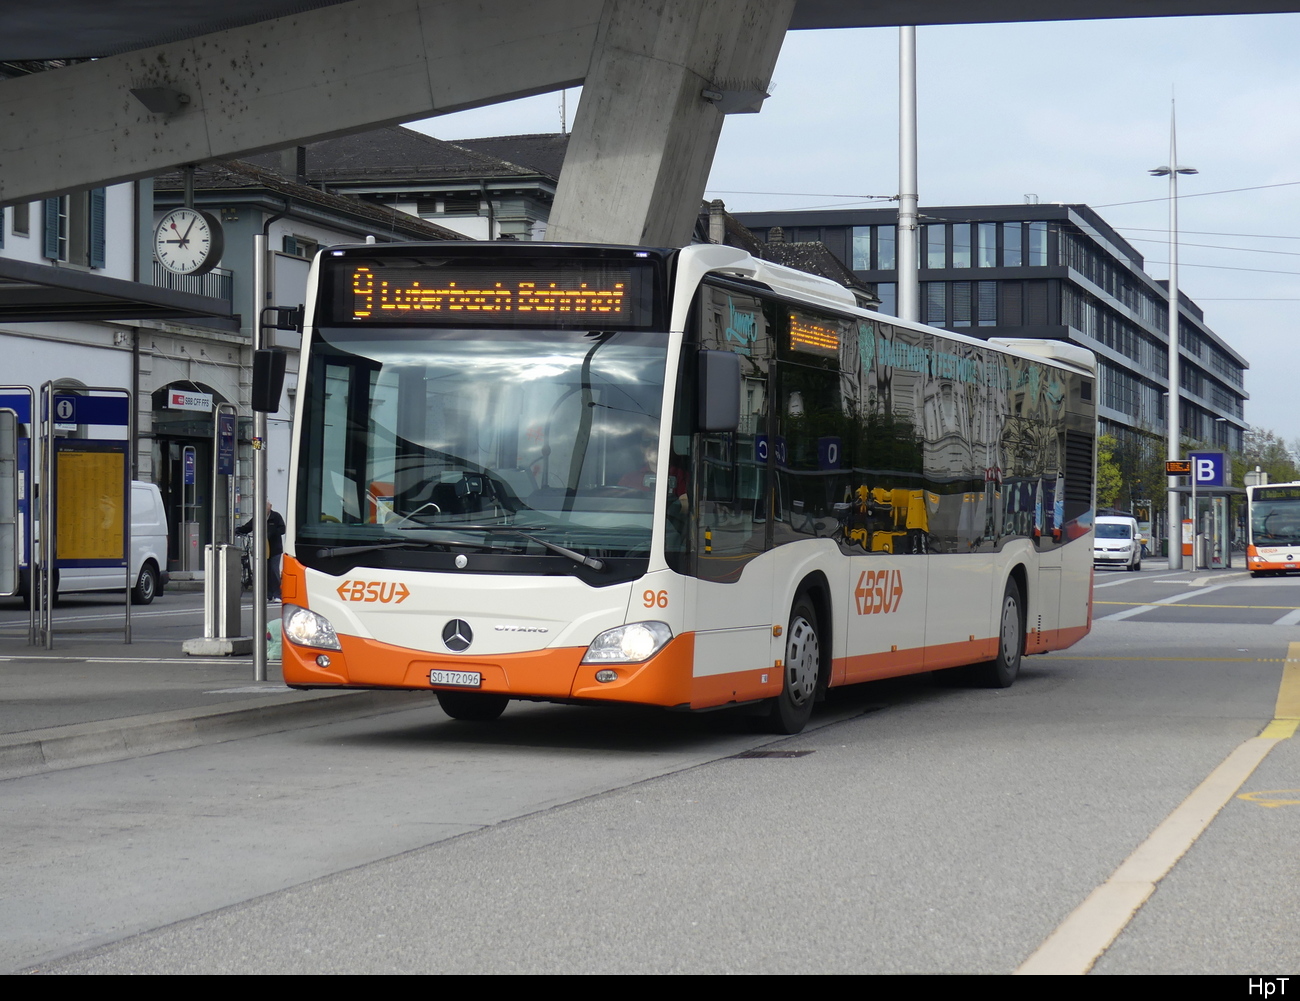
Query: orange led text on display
point(372, 296)
point(809, 335)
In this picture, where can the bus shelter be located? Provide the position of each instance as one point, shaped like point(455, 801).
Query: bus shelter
point(1211, 532)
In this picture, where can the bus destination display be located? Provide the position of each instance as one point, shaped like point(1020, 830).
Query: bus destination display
point(599, 294)
point(1276, 493)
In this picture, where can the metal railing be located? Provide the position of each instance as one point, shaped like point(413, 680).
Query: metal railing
point(218, 283)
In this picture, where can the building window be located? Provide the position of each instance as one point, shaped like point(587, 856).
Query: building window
point(936, 303)
point(22, 219)
point(961, 245)
point(961, 304)
point(987, 250)
point(936, 250)
point(74, 228)
point(885, 240)
point(301, 246)
point(888, 293)
point(1012, 252)
point(1038, 244)
point(861, 240)
point(987, 295)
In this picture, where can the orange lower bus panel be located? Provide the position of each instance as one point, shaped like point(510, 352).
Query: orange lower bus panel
point(664, 680)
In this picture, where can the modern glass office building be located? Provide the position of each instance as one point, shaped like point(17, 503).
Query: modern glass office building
point(1055, 271)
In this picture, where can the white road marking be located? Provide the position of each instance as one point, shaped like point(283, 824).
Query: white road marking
point(1128, 613)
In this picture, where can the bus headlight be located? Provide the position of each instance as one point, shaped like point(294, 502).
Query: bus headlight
point(628, 644)
point(304, 627)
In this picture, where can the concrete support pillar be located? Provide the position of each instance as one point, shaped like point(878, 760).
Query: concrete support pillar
point(645, 132)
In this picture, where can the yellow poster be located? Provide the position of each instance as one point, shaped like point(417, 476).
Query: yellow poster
point(91, 506)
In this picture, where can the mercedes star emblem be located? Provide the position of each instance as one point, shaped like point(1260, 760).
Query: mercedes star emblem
point(457, 635)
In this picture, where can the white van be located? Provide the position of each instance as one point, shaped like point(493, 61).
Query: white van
point(1117, 542)
point(148, 552)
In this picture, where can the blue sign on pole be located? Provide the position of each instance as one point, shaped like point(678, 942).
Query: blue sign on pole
point(1210, 469)
point(19, 403)
point(225, 444)
point(189, 467)
point(92, 410)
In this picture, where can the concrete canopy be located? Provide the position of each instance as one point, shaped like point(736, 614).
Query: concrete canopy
point(245, 76)
point(81, 29)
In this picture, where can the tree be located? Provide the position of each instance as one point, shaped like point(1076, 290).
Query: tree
point(1264, 448)
point(1109, 479)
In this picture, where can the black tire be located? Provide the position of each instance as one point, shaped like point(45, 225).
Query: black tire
point(479, 707)
point(146, 586)
point(792, 709)
point(1003, 669)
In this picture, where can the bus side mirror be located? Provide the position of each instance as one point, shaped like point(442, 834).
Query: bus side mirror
point(719, 391)
point(268, 379)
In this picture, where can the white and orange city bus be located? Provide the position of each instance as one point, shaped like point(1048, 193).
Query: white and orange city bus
point(1273, 528)
point(680, 478)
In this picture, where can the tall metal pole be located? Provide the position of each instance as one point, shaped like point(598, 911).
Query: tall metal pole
point(258, 557)
point(909, 284)
point(1174, 423)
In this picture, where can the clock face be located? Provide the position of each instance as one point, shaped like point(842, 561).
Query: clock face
point(188, 242)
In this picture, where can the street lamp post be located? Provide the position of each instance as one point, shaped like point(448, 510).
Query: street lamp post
point(1174, 449)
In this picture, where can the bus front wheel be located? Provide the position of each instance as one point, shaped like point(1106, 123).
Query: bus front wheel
point(792, 709)
point(476, 706)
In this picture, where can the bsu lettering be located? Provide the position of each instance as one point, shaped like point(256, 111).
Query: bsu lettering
point(878, 591)
point(373, 590)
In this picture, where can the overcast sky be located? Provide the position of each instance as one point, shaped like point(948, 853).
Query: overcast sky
point(1072, 111)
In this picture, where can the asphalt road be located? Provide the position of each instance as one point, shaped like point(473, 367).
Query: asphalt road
point(924, 828)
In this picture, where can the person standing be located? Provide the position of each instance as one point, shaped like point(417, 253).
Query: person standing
point(274, 549)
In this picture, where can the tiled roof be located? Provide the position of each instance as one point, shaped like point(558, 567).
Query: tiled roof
point(239, 175)
point(542, 153)
point(398, 153)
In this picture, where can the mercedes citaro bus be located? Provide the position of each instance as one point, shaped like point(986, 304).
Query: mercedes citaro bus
point(678, 478)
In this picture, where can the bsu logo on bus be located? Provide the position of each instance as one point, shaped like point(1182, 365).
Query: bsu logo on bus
point(373, 590)
point(878, 591)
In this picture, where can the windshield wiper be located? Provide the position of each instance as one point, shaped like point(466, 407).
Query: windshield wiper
point(586, 561)
point(406, 544)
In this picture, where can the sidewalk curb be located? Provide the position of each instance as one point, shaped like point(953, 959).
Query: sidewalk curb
point(34, 752)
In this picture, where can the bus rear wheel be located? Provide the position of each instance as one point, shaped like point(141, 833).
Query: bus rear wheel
point(792, 709)
point(479, 707)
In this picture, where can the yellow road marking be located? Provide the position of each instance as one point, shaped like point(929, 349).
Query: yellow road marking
point(1288, 694)
point(1079, 941)
point(1272, 797)
point(1183, 604)
point(1188, 660)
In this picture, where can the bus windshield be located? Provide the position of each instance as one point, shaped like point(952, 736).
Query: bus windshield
point(1275, 517)
point(454, 436)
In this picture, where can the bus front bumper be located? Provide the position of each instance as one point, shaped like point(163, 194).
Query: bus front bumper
point(546, 675)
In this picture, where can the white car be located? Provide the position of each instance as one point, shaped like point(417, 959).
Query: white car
point(1116, 542)
point(148, 552)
